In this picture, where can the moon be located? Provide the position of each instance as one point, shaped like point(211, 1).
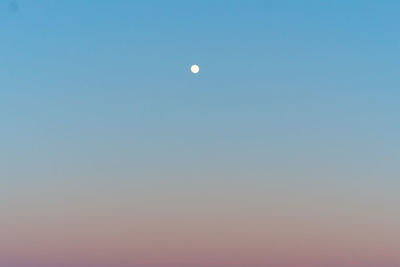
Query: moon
point(195, 69)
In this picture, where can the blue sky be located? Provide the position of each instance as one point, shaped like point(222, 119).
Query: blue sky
point(295, 100)
point(270, 69)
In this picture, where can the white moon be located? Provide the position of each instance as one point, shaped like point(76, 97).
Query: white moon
point(195, 69)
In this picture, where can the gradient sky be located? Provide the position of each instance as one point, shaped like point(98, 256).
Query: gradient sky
point(284, 150)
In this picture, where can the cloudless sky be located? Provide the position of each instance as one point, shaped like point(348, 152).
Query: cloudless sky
point(283, 151)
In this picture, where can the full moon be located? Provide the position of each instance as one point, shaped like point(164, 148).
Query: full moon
point(195, 69)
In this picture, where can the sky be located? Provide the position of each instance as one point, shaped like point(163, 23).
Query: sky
point(283, 151)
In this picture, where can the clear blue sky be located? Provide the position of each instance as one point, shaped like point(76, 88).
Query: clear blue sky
point(295, 101)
